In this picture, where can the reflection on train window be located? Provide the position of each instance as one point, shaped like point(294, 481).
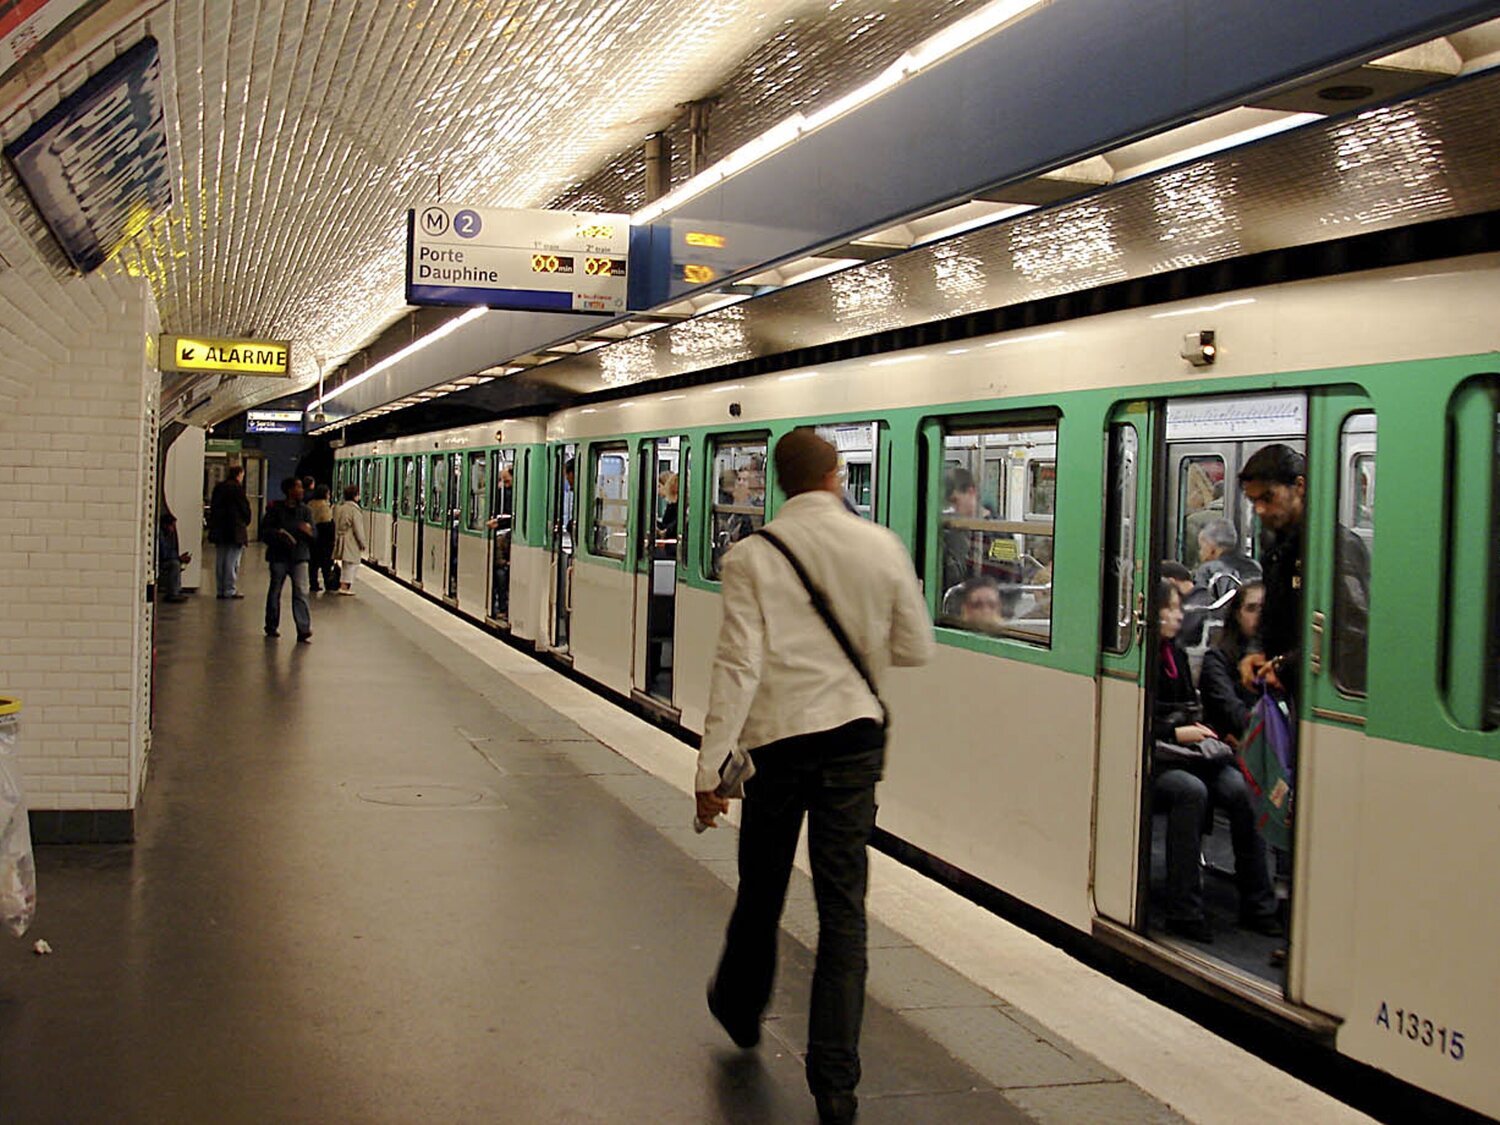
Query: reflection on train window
point(1119, 538)
point(858, 444)
point(367, 488)
point(1353, 545)
point(739, 480)
point(408, 486)
point(609, 533)
point(1200, 500)
point(997, 571)
point(479, 486)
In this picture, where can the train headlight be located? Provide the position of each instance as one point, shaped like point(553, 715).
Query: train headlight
point(1199, 349)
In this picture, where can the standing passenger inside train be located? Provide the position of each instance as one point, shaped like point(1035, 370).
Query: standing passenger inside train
point(1274, 480)
point(229, 530)
point(349, 538)
point(1192, 772)
point(666, 522)
point(805, 705)
point(287, 530)
point(1226, 701)
point(1224, 567)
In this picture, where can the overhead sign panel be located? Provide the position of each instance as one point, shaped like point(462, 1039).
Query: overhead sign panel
point(96, 166)
point(503, 258)
point(273, 422)
point(235, 357)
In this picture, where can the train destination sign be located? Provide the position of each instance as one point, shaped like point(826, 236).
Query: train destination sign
point(273, 422)
point(236, 357)
point(504, 258)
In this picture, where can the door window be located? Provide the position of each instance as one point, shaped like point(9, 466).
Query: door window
point(435, 481)
point(408, 486)
point(611, 510)
point(1119, 538)
point(479, 477)
point(1200, 501)
point(1354, 541)
point(997, 571)
point(858, 444)
point(739, 481)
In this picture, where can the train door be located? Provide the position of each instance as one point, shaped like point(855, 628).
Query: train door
point(659, 522)
point(423, 472)
point(564, 534)
point(501, 526)
point(1130, 446)
point(455, 518)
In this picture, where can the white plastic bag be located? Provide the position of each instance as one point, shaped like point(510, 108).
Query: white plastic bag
point(17, 867)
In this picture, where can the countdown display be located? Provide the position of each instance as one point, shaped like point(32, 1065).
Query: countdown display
point(503, 258)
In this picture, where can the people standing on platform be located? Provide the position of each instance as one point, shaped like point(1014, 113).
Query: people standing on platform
point(229, 530)
point(348, 538)
point(287, 531)
point(170, 558)
point(322, 560)
point(806, 708)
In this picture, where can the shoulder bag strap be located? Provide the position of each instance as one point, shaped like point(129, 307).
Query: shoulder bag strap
point(825, 611)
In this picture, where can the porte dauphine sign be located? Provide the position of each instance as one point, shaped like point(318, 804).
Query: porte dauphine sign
point(506, 258)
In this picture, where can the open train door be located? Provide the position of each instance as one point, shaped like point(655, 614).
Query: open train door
point(564, 521)
point(659, 522)
point(1132, 451)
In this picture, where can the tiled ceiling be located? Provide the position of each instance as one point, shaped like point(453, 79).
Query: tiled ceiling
point(302, 130)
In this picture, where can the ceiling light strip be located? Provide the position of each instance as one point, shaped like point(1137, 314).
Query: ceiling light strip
point(396, 357)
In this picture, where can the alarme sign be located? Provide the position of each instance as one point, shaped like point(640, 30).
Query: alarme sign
point(235, 357)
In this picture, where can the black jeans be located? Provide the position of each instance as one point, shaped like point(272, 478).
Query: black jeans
point(1186, 796)
point(831, 777)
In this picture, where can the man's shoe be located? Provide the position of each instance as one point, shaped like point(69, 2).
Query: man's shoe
point(1194, 929)
point(836, 1109)
point(273, 633)
point(1268, 925)
point(304, 638)
point(745, 1036)
point(236, 597)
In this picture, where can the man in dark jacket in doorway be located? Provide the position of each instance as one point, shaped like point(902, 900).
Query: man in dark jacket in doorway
point(287, 531)
point(228, 530)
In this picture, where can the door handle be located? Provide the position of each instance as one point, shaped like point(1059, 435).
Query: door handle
point(1315, 662)
point(1140, 618)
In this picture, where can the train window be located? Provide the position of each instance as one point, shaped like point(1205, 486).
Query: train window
point(1200, 501)
point(739, 481)
point(1119, 538)
point(997, 571)
point(858, 444)
point(408, 486)
point(437, 479)
point(1041, 493)
point(475, 512)
point(1471, 671)
point(1354, 541)
point(609, 533)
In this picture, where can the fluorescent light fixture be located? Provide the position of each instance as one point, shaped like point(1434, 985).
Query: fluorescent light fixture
point(972, 224)
point(929, 52)
point(1197, 309)
point(1233, 140)
point(959, 351)
point(396, 357)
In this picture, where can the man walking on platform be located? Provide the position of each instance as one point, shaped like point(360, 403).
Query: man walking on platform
point(287, 530)
point(816, 606)
point(228, 530)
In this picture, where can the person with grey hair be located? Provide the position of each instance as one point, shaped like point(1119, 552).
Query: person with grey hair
point(1225, 568)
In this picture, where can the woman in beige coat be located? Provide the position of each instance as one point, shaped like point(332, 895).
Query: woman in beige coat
point(349, 538)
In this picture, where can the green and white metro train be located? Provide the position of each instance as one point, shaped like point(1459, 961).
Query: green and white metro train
point(1019, 755)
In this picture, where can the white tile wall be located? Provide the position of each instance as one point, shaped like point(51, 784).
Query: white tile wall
point(77, 434)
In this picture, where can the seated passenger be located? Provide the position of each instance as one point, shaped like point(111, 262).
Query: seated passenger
point(961, 500)
point(1225, 567)
point(1195, 602)
point(1186, 788)
point(978, 605)
point(1226, 702)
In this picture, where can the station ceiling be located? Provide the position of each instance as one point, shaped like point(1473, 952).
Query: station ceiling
point(302, 130)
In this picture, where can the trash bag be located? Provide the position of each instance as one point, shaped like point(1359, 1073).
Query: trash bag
point(17, 867)
point(1266, 759)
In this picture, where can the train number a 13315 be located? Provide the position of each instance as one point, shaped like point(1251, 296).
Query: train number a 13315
point(1420, 1030)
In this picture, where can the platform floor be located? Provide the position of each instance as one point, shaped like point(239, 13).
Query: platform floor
point(379, 881)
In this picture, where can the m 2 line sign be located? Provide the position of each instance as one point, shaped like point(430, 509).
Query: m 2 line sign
point(97, 165)
point(503, 258)
point(233, 357)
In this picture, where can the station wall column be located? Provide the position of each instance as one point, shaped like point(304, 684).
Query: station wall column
point(182, 490)
point(79, 397)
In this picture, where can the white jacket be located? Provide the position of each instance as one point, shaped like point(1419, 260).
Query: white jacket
point(349, 531)
point(778, 671)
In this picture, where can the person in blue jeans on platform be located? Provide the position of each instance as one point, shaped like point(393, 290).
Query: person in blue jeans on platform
point(287, 531)
point(805, 706)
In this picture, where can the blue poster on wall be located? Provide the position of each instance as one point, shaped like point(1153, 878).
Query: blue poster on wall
point(97, 166)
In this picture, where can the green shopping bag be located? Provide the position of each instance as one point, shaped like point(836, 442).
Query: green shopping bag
point(1265, 758)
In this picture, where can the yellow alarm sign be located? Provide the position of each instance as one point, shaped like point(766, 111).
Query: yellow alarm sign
point(236, 357)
